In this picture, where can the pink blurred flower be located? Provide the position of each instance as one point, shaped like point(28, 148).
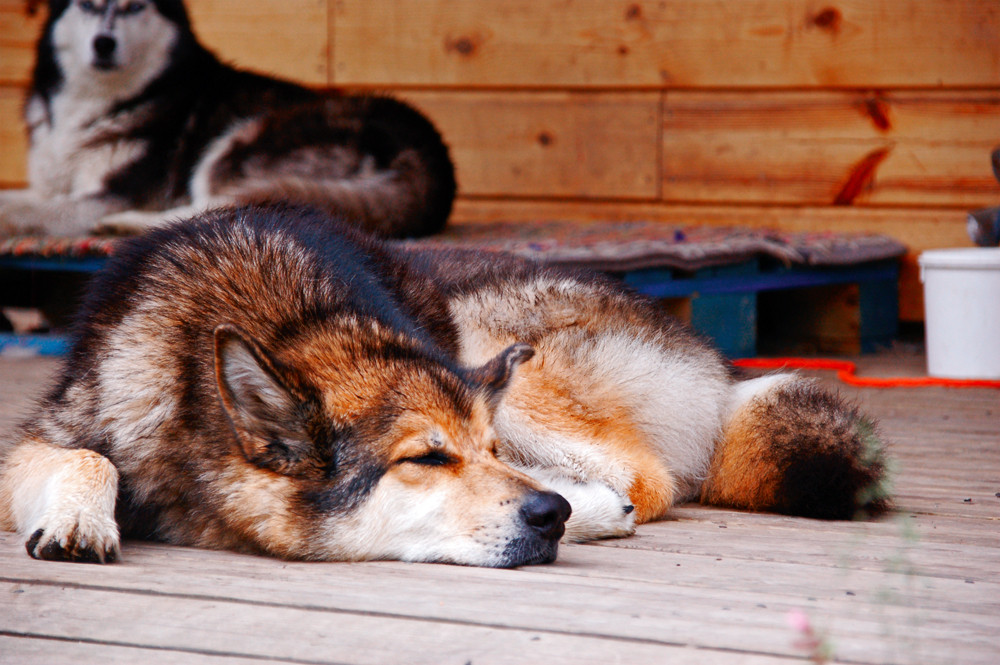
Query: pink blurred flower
point(809, 640)
point(799, 621)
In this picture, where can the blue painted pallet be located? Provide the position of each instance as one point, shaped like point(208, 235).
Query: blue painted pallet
point(55, 263)
point(12, 344)
point(723, 299)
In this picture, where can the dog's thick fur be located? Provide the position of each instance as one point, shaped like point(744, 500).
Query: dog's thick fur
point(133, 122)
point(252, 380)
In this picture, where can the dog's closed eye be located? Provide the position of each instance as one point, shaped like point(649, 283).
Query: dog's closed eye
point(433, 458)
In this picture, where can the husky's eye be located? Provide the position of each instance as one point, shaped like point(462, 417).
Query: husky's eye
point(131, 8)
point(433, 458)
point(89, 7)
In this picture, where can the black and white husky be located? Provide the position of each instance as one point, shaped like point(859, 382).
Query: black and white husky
point(133, 122)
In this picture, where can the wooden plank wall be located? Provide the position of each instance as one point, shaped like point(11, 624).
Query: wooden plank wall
point(873, 115)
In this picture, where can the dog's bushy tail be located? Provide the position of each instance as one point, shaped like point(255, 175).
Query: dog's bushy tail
point(792, 447)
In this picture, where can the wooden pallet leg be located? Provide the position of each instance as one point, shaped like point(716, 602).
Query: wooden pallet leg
point(728, 318)
point(878, 305)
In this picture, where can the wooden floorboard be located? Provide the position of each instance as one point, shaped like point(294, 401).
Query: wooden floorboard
point(709, 586)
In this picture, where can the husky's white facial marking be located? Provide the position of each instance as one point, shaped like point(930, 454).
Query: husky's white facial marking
point(115, 48)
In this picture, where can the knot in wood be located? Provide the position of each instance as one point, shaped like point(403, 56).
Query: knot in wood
point(463, 45)
point(828, 19)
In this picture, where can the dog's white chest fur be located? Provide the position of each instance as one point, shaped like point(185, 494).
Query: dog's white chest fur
point(70, 152)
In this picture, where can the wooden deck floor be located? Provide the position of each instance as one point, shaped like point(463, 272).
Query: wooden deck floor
point(710, 586)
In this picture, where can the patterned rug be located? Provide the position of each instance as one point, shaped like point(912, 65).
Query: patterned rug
point(624, 246)
point(608, 246)
point(56, 247)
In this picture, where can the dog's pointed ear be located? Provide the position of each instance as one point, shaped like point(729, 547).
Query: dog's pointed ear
point(495, 375)
point(267, 416)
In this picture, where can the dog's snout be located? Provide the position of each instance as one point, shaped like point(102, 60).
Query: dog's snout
point(546, 513)
point(104, 46)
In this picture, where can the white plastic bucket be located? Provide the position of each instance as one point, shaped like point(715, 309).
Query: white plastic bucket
point(962, 312)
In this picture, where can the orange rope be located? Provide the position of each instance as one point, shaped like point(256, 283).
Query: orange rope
point(846, 372)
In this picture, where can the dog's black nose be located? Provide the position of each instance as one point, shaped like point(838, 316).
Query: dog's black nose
point(104, 46)
point(546, 513)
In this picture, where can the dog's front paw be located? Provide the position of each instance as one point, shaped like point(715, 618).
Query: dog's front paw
point(128, 223)
point(82, 539)
point(598, 512)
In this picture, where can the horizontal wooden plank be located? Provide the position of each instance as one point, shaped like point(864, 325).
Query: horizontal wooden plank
point(42, 650)
point(556, 144)
point(929, 541)
point(272, 36)
point(278, 37)
point(897, 148)
point(667, 43)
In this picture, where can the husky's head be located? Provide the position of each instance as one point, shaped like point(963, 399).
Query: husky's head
point(119, 45)
point(373, 450)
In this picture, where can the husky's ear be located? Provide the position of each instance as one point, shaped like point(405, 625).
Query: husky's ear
point(495, 375)
point(267, 416)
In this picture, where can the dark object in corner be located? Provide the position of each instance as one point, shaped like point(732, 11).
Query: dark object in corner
point(984, 225)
